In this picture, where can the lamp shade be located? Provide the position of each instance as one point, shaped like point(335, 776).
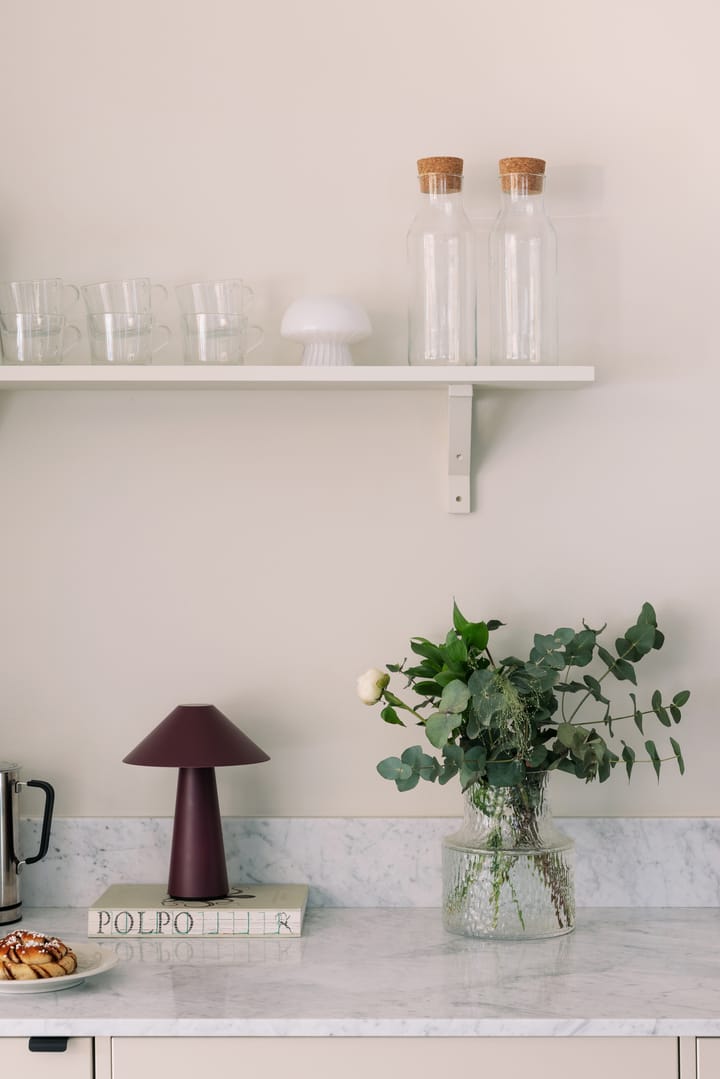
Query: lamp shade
point(195, 736)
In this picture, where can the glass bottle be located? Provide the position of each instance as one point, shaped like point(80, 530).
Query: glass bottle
point(441, 262)
point(523, 268)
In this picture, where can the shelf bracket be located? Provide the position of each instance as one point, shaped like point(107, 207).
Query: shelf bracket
point(460, 412)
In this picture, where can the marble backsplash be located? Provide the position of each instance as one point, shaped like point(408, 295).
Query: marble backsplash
point(370, 861)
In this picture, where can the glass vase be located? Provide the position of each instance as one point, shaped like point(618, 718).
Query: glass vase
point(508, 872)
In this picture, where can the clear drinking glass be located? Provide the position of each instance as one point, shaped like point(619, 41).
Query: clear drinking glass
point(131, 295)
point(218, 338)
point(523, 269)
point(41, 296)
point(442, 269)
point(33, 339)
point(227, 297)
point(125, 338)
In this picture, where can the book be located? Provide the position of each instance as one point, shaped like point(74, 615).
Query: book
point(250, 910)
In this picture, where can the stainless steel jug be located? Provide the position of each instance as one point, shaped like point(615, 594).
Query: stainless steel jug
point(10, 862)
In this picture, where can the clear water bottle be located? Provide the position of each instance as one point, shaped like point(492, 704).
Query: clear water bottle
point(442, 268)
point(523, 268)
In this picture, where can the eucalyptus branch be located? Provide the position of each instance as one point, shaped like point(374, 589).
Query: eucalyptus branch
point(607, 720)
point(600, 680)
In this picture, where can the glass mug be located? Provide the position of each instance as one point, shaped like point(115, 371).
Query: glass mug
point(132, 295)
point(218, 339)
point(124, 337)
point(35, 339)
point(41, 296)
point(226, 297)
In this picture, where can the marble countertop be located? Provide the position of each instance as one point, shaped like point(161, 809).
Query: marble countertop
point(393, 972)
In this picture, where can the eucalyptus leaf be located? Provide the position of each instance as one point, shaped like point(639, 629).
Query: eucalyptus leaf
point(580, 650)
point(455, 697)
point(538, 757)
point(475, 756)
point(647, 615)
point(505, 773)
point(636, 643)
point(620, 668)
point(678, 753)
point(487, 699)
point(566, 735)
point(439, 728)
point(394, 768)
point(448, 772)
point(604, 770)
point(654, 756)
point(421, 763)
point(628, 755)
point(473, 766)
point(595, 689)
point(453, 754)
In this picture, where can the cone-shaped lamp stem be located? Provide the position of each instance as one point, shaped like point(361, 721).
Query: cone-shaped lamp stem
point(197, 857)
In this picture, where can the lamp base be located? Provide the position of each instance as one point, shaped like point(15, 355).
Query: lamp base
point(197, 858)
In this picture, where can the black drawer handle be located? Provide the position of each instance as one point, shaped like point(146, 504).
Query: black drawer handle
point(47, 1045)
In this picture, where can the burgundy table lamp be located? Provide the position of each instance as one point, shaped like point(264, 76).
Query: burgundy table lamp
point(196, 738)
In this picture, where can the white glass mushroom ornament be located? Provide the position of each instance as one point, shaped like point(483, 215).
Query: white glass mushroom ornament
point(326, 326)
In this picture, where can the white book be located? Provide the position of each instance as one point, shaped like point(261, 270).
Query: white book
point(250, 910)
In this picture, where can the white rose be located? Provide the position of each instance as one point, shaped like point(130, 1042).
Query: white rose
point(371, 684)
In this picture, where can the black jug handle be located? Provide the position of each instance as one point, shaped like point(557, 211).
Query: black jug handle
point(46, 821)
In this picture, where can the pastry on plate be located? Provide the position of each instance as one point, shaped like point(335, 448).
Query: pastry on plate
point(25, 956)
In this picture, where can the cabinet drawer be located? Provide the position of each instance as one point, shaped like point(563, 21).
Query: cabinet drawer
point(76, 1062)
point(387, 1058)
point(708, 1058)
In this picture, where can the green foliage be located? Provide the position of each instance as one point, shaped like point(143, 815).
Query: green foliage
point(494, 723)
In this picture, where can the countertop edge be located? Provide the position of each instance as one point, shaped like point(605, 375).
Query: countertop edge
point(365, 1028)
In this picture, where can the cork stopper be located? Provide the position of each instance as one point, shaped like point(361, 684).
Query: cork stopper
point(440, 174)
point(530, 169)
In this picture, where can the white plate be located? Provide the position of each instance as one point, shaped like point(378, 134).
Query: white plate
point(91, 962)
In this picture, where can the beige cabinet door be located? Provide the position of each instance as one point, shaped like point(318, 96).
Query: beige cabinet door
point(708, 1058)
point(388, 1058)
point(75, 1062)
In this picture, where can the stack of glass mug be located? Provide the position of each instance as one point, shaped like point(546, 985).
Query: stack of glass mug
point(120, 322)
point(33, 326)
point(215, 323)
point(121, 325)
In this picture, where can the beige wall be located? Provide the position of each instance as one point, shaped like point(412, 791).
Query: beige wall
point(260, 549)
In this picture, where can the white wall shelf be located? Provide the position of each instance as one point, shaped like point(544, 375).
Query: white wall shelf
point(460, 383)
point(264, 376)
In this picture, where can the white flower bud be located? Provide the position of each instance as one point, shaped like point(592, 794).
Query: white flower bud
point(371, 684)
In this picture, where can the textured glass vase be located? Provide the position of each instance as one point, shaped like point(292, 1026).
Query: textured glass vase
point(508, 872)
